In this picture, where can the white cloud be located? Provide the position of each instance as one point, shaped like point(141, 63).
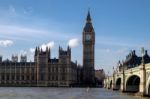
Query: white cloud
point(49, 45)
point(43, 46)
point(32, 50)
point(20, 32)
point(6, 43)
point(74, 42)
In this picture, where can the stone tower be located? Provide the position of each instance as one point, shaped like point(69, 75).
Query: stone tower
point(88, 52)
point(41, 60)
point(65, 61)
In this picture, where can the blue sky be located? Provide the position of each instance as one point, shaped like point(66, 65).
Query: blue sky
point(120, 26)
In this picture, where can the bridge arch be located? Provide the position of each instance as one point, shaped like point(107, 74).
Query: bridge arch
point(148, 87)
point(133, 83)
point(118, 83)
point(110, 84)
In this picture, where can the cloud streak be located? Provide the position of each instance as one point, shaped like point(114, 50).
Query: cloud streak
point(109, 41)
point(11, 29)
point(21, 24)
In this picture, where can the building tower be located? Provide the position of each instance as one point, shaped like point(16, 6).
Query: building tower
point(41, 61)
point(65, 61)
point(88, 52)
point(23, 58)
point(14, 58)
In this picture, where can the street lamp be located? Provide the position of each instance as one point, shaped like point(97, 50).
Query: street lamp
point(143, 53)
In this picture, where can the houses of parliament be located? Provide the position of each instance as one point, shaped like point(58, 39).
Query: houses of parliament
point(45, 71)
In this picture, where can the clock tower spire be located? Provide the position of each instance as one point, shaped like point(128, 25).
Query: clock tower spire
point(88, 40)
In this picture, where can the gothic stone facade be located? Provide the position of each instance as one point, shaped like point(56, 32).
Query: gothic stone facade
point(43, 72)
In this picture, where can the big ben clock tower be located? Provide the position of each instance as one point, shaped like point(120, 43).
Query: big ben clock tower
point(88, 52)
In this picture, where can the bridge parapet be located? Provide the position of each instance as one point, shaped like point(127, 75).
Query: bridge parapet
point(147, 66)
point(132, 70)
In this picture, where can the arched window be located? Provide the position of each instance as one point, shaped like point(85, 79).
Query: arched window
point(22, 77)
point(3, 77)
point(13, 77)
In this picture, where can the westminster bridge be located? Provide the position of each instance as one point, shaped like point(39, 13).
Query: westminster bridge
point(135, 79)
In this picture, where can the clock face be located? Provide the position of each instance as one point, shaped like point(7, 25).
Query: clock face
point(88, 37)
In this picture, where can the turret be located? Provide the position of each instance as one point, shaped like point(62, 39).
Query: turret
point(14, 58)
point(146, 52)
point(146, 57)
point(36, 51)
point(23, 58)
point(133, 52)
point(65, 56)
point(40, 54)
point(49, 53)
point(69, 52)
point(0, 59)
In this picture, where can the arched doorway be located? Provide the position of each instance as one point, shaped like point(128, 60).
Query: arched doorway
point(133, 83)
point(118, 84)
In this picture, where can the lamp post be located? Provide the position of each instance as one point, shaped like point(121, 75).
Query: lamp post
point(123, 78)
point(143, 53)
point(113, 80)
point(142, 74)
